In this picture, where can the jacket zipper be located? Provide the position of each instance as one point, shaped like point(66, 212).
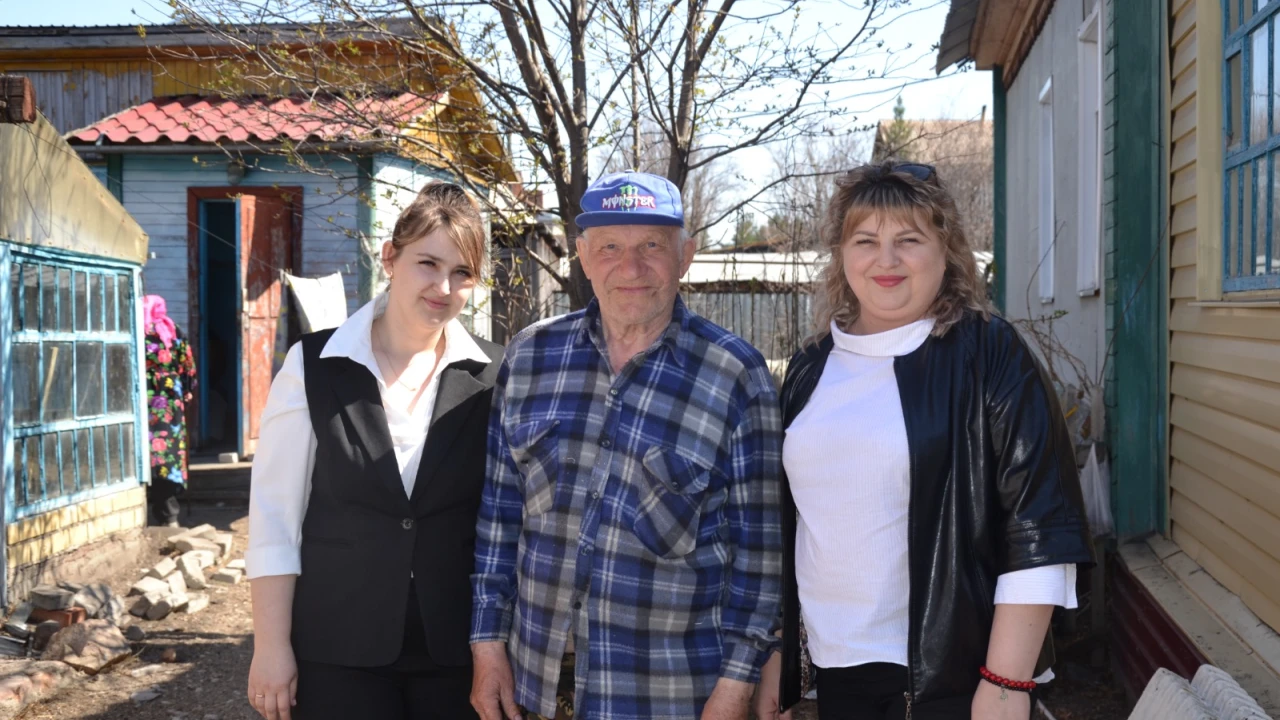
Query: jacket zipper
point(911, 629)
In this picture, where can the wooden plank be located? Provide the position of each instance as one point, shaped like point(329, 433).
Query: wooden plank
point(1184, 55)
point(1256, 442)
point(1184, 88)
point(1184, 185)
point(1266, 609)
point(1184, 121)
point(1183, 155)
point(1243, 476)
point(1184, 250)
point(1245, 322)
point(1184, 218)
point(1183, 284)
point(1183, 24)
point(1258, 359)
point(1177, 6)
point(1241, 554)
point(1261, 527)
point(1253, 400)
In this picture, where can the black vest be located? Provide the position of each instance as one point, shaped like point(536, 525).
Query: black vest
point(362, 536)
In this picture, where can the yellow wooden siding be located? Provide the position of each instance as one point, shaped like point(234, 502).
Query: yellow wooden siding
point(1224, 381)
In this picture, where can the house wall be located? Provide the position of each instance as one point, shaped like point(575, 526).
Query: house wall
point(155, 193)
point(1224, 356)
point(1053, 56)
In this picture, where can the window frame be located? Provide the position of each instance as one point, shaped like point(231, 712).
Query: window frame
point(1243, 161)
point(127, 332)
point(1046, 202)
point(1089, 189)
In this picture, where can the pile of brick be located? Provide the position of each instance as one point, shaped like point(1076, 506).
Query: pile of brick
point(168, 586)
point(50, 608)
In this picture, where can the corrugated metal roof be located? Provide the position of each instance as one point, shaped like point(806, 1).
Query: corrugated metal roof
point(200, 119)
point(954, 46)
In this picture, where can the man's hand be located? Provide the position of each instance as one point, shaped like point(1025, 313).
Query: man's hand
point(730, 700)
point(767, 692)
point(987, 704)
point(493, 689)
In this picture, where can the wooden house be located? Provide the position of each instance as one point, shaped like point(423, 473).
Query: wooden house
point(1151, 127)
point(72, 417)
point(236, 187)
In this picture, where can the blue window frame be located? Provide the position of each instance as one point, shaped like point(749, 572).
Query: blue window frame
point(75, 428)
point(1251, 192)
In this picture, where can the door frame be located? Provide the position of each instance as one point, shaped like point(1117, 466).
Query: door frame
point(293, 194)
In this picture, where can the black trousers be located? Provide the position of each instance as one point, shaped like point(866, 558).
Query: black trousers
point(877, 691)
point(412, 688)
point(162, 498)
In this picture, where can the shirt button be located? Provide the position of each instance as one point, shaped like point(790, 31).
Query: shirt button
point(577, 605)
point(613, 391)
point(586, 550)
point(595, 494)
point(407, 523)
point(606, 443)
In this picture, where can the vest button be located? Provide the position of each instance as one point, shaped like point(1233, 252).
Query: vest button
point(407, 523)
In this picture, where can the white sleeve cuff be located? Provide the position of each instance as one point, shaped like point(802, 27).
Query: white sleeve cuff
point(272, 560)
point(1049, 585)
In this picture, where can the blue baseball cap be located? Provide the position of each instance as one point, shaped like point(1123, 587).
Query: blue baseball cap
point(631, 198)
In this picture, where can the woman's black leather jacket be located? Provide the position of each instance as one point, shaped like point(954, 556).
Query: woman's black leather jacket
point(994, 489)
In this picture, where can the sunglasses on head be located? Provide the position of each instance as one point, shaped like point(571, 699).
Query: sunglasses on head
point(919, 171)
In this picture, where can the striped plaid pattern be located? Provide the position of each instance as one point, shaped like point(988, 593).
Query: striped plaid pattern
point(637, 511)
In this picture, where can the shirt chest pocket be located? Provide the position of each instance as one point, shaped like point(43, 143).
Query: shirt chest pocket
point(535, 450)
point(671, 494)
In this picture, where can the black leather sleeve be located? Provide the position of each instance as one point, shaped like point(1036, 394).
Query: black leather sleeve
point(1034, 463)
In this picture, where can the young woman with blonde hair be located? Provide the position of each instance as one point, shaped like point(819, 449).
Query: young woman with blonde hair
point(366, 486)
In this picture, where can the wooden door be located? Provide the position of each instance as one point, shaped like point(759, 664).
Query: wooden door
point(266, 248)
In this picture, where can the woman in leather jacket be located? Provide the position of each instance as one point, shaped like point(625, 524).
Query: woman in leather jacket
point(933, 515)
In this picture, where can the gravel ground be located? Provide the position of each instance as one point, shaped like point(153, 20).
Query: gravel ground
point(213, 648)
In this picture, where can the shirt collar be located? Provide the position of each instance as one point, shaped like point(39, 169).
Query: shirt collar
point(354, 339)
point(890, 343)
point(673, 338)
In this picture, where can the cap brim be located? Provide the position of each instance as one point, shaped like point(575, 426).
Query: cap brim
point(606, 217)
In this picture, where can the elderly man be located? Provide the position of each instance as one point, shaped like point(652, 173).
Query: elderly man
point(628, 551)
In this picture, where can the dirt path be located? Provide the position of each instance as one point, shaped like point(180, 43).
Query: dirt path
point(214, 647)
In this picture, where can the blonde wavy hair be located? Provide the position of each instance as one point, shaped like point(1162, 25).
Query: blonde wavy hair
point(889, 190)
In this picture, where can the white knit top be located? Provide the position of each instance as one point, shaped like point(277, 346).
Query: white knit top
point(847, 460)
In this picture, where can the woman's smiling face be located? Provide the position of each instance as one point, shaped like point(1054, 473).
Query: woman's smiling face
point(895, 269)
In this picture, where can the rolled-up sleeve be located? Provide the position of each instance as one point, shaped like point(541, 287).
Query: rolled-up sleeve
point(497, 530)
point(1045, 585)
point(281, 479)
point(755, 536)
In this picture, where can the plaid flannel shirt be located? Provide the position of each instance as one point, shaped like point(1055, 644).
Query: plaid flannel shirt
point(639, 512)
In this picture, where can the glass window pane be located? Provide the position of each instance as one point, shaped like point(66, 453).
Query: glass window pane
point(67, 440)
point(1235, 136)
point(119, 378)
point(26, 383)
point(57, 381)
point(49, 295)
point(1233, 220)
point(101, 456)
point(82, 300)
point(52, 485)
point(83, 462)
point(117, 460)
point(124, 290)
point(1247, 238)
point(15, 296)
point(1271, 251)
point(1248, 11)
point(1255, 258)
point(1233, 16)
point(96, 309)
point(1260, 90)
point(64, 300)
point(109, 287)
point(19, 472)
point(88, 379)
point(33, 491)
point(31, 299)
point(130, 458)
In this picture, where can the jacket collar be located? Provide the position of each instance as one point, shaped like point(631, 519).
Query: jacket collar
point(676, 338)
point(354, 340)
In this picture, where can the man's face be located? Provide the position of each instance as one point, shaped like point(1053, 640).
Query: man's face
point(635, 270)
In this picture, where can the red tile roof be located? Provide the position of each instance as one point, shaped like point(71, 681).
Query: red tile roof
point(203, 119)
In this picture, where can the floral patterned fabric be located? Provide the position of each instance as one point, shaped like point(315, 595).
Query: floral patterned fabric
point(171, 373)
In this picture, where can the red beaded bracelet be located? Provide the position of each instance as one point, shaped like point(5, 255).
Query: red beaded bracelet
point(1005, 683)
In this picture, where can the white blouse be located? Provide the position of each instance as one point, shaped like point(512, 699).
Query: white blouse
point(281, 480)
point(847, 461)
